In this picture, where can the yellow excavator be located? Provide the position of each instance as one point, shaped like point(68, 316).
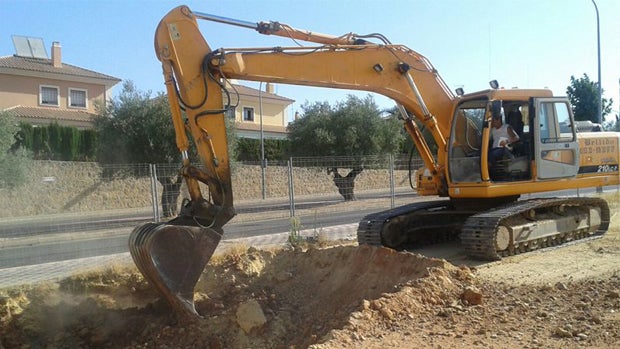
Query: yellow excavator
point(480, 177)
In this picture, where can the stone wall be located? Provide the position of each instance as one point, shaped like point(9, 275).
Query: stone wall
point(57, 187)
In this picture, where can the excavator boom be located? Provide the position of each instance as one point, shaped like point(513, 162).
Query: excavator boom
point(348, 61)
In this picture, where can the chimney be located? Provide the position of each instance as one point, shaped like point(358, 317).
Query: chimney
point(56, 55)
point(269, 88)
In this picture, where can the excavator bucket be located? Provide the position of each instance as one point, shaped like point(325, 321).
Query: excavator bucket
point(172, 257)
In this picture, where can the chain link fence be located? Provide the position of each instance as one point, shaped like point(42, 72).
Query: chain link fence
point(347, 186)
point(86, 209)
point(68, 212)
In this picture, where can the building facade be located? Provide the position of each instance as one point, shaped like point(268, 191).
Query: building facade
point(249, 103)
point(40, 90)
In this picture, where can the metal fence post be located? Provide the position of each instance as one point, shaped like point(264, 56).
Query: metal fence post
point(154, 196)
point(263, 165)
point(392, 184)
point(291, 188)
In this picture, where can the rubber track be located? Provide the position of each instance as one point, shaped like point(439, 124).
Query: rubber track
point(479, 231)
point(370, 227)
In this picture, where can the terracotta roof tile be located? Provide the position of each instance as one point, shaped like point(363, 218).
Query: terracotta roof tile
point(51, 114)
point(248, 91)
point(45, 66)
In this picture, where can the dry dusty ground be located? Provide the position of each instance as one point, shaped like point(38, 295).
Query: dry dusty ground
point(341, 296)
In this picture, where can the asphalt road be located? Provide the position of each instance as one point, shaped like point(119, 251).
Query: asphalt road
point(111, 242)
point(104, 236)
point(97, 221)
point(35, 242)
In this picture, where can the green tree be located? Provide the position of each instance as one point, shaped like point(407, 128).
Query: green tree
point(353, 127)
point(88, 145)
point(248, 149)
point(15, 162)
point(583, 96)
point(233, 139)
point(135, 128)
point(25, 135)
point(40, 143)
point(70, 143)
point(55, 140)
point(408, 146)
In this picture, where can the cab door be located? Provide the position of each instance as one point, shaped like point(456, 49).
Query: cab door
point(555, 144)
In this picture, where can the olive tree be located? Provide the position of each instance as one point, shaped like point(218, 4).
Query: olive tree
point(353, 127)
point(137, 128)
point(15, 162)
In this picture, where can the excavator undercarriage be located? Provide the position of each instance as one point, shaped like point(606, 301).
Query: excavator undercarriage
point(487, 233)
point(532, 224)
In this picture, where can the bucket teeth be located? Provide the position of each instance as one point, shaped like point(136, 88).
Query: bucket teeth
point(172, 258)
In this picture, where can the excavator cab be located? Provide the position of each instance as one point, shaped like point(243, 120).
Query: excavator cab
point(546, 145)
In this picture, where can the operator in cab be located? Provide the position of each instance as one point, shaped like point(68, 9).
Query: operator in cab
point(502, 137)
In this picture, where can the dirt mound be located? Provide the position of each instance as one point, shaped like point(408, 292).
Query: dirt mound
point(250, 298)
point(339, 297)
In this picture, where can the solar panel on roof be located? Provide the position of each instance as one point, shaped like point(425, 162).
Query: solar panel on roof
point(29, 47)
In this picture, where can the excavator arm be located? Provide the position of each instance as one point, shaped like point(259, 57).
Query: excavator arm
point(348, 61)
point(172, 255)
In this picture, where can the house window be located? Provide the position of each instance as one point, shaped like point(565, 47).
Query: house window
point(248, 114)
point(48, 95)
point(77, 98)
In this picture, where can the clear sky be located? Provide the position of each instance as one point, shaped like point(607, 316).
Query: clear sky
point(521, 43)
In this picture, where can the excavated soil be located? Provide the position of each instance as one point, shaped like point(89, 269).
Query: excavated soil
point(250, 298)
point(342, 296)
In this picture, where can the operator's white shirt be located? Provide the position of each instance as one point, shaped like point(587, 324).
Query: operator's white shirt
point(499, 135)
